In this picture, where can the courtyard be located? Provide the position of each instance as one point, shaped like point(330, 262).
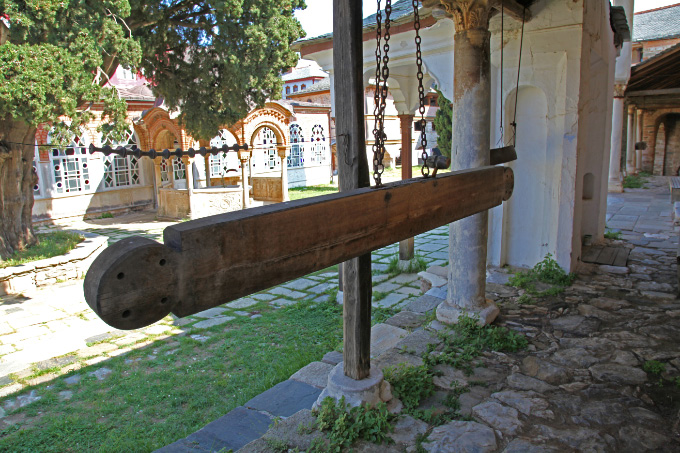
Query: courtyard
point(600, 372)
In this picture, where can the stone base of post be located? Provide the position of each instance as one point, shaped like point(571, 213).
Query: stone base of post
point(370, 391)
point(449, 314)
point(615, 186)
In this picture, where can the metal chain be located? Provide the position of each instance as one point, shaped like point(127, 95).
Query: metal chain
point(425, 170)
point(377, 126)
point(381, 89)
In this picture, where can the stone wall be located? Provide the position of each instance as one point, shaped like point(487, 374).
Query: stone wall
point(71, 266)
point(672, 155)
point(217, 200)
point(173, 203)
point(266, 188)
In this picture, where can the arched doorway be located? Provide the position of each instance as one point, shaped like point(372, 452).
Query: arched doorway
point(527, 215)
point(671, 161)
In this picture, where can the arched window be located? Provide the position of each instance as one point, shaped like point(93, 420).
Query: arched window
point(223, 163)
point(303, 86)
point(121, 171)
point(287, 90)
point(265, 159)
point(319, 146)
point(70, 166)
point(297, 156)
point(295, 88)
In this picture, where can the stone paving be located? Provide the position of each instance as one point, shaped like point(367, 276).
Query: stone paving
point(579, 387)
point(54, 328)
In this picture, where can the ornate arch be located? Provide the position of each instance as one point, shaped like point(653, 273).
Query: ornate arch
point(157, 120)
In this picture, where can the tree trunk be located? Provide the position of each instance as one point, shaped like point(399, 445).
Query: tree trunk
point(17, 179)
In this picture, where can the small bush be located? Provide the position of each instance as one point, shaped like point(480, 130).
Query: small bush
point(410, 384)
point(654, 367)
point(612, 234)
point(546, 271)
point(345, 425)
point(635, 181)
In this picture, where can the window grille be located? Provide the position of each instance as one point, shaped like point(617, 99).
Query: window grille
point(223, 162)
point(121, 171)
point(319, 148)
point(179, 171)
point(297, 152)
point(164, 171)
point(265, 147)
point(70, 167)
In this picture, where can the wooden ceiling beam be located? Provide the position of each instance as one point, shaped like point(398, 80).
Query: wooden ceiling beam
point(512, 8)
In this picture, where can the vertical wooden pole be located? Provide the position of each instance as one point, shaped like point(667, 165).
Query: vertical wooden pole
point(353, 173)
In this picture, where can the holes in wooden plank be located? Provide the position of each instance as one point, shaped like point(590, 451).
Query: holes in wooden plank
point(162, 262)
point(164, 300)
point(126, 314)
point(121, 275)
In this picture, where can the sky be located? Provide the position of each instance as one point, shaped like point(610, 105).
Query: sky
point(317, 19)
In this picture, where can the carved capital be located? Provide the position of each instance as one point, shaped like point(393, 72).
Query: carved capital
point(468, 14)
point(619, 90)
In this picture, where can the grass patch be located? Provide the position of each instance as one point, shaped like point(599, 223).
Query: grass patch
point(546, 271)
point(177, 387)
point(311, 191)
point(382, 314)
point(636, 181)
point(379, 295)
point(106, 215)
point(48, 246)
point(417, 264)
point(467, 340)
point(612, 234)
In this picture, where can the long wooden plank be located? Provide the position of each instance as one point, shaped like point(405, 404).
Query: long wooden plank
point(607, 256)
point(353, 174)
point(621, 257)
point(590, 254)
point(211, 261)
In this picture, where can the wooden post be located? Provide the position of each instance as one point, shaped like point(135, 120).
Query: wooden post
point(406, 247)
point(352, 174)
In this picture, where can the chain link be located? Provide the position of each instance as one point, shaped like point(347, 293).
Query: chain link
point(382, 73)
point(424, 170)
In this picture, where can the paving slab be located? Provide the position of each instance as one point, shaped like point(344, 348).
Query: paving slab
point(300, 284)
point(213, 322)
point(314, 374)
point(230, 432)
point(285, 398)
point(384, 337)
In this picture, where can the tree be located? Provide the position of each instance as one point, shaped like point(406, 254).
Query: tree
point(443, 123)
point(213, 60)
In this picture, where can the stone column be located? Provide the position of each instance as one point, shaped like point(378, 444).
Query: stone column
point(406, 247)
point(470, 149)
point(615, 181)
point(243, 157)
point(638, 138)
point(630, 142)
point(283, 152)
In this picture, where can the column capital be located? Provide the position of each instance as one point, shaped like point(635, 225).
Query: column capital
point(282, 151)
point(468, 14)
point(619, 90)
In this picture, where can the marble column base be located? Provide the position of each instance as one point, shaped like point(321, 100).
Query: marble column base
point(449, 314)
point(615, 186)
point(370, 391)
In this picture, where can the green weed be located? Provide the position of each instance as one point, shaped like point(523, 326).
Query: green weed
point(410, 384)
point(654, 367)
point(546, 271)
point(612, 234)
point(345, 425)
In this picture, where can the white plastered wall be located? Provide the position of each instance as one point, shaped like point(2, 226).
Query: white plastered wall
point(564, 122)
